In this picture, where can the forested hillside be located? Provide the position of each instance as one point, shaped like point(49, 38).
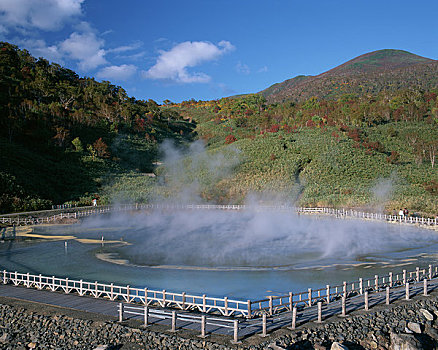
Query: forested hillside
point(63, 136)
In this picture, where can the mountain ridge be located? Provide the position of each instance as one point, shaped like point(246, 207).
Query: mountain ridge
point(372, 72)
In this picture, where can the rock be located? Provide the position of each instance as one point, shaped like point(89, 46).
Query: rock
point(274, 346)
point(338, 346)
point(408, 331)
point(427, 314)
point(5, 338)
point(383, 341)
point(31, 345)
point(404, 342)
point(101, 347)
point(369, 344)
point(431, 332)
point(318, 346)
point(414, 327)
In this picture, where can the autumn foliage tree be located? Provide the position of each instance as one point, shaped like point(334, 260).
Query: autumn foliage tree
point(101, 148)
point(230, 139)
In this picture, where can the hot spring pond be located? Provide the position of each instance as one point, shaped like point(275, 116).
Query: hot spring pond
point(244, 255)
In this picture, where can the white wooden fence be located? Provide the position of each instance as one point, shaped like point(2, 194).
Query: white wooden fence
point(276, 304)
point(51, 216)
point(219, 306)
point(146, 313)
point(145, 296)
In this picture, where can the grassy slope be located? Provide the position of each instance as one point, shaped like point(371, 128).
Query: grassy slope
point(310, 167)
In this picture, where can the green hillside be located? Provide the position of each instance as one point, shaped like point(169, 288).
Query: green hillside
point(376, 153)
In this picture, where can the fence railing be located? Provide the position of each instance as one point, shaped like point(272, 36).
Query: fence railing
point(276, 304)
point(146, 313)
point(145, 296)
point(337, 302)
point(44, 217)
point(220, 306)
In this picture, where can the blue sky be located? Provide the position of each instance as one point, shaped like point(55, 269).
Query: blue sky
point(205, 49)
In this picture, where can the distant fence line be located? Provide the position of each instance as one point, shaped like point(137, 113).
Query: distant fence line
point(52, 216)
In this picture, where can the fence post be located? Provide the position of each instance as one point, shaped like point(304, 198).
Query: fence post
point(425, 287)
point(164, 298)
point(343, 307)
point(361, 286)
point(310, 296)
point(430, 272)
point(204, 305)
point(407, 291)
point(390, 279)
point(387, 295)
point(270, 305)
point(120, 312)
point(291, 301)
point(236, 331)
point(344, 289)
point(202, 326)
point(404, 276)
point(183, 300)
point(263, 325)
point(146, 316)
point(294, 318)
point(226, 306)
point(249, 308)
point(366, 301)
point(173, 321)
point(417, 272)
point(376, 282)
point(319, 312)
point(328, 293)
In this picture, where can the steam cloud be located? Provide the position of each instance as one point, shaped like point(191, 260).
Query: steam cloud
point(255, 238)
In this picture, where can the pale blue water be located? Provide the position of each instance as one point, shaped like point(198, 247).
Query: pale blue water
point(251, 254)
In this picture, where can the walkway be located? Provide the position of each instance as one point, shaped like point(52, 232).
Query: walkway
point(245, 327)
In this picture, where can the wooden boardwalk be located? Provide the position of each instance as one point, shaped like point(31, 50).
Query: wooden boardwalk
point(247, 327)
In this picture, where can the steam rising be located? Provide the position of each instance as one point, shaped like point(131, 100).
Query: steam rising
point(256, 238)
point(186, 174)
point(253, 238)
point(382, 191)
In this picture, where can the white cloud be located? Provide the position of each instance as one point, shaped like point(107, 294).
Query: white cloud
point(133, 46)
point(85, 47)
point(106, 32)
point(39, 48)
point(242, 68)
point(264, 69)
point(123, 72)
point(133, 57)
point(173, 64)
point(40, 14)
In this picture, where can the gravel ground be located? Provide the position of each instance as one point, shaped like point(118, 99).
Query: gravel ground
point(403, 325)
